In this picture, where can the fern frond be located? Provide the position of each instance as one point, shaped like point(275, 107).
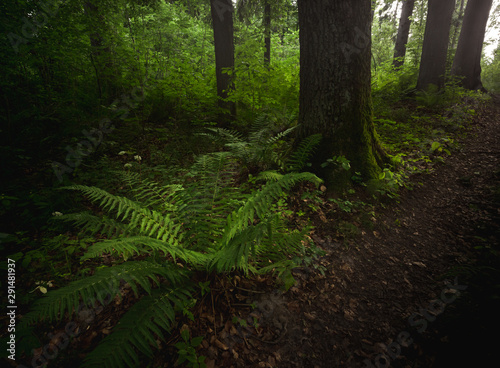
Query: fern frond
point(130, 246)
point(108, 201)
point(258, 204)
point(280, 135)
point(299, 158)
point(141, 221)
point(221, 135)
point(270, 175)
point(238, 253)
point(94, 224)
point(150, 193)
point(260, 129)
point(102, 284)
point(137, 329)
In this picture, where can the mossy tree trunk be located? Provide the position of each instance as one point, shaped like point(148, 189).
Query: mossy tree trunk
point(335, 87)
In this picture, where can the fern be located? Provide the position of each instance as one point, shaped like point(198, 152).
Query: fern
point(101, 285)
point(137, 245)
point(141, 220)
point(207, 222)
point(150, 193)
point(258, 151)
point(136, 330)
point(299, 158)
point(94, 224)
point(259, 203)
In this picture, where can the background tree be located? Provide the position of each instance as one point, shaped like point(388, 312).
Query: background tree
point(100, 52)
point(467, 62)
point(456, 25)
point(335, 85)
point(267, 32)
point(435, 47)
point(222, 18)
point(403, 32)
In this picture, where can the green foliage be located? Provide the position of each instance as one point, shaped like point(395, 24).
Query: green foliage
point(187, 352)
point(100, 286)
point(148, 66)
point(206, 224)
point(432, 97)
point(264, 149)
point(491, 73)
point(298, 159)
point(138, 327)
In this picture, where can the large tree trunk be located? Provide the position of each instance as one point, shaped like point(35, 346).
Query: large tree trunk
point(435, 47)
point(467, 61)
point(267, 32)
point(403, 32)
point(222, 18)
point(335, 90)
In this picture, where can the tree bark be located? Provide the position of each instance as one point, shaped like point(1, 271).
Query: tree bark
point(100, 56)
point(335, 86)
point(467, 62)
point(267, 32)
point(222, 19)
point(435, 47)
point(403, 32)
point(457, 24)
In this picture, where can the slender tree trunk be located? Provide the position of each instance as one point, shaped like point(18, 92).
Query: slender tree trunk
point(458, 23)
point(467, 62)
point(267, 32)
point(403, 32)
point(222, 18)
point(435, 47)
point(335, 86)
point(100, 53)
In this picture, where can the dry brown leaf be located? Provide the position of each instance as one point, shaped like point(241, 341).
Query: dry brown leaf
point(221, 345)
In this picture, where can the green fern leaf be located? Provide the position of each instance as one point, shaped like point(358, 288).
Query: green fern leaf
point(260, 202)
point(299, 158)
point(137, 329)
point(101, 285)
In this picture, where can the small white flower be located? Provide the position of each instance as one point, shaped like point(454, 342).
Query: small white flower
point(57, 213)
point(127, 165)
point(121, 153)
point(137, 158)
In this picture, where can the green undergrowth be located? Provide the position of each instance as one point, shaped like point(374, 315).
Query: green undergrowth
point(155, 230)
point(155, 213)
point(421, 132)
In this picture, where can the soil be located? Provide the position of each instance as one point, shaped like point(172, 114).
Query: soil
point(418, 288)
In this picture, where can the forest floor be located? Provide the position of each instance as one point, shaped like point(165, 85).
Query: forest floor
point(420, 288)
point(410, 282)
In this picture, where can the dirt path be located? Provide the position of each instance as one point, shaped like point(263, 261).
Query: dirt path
point(380, 303)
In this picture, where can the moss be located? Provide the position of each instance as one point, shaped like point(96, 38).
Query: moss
point(358, 142)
